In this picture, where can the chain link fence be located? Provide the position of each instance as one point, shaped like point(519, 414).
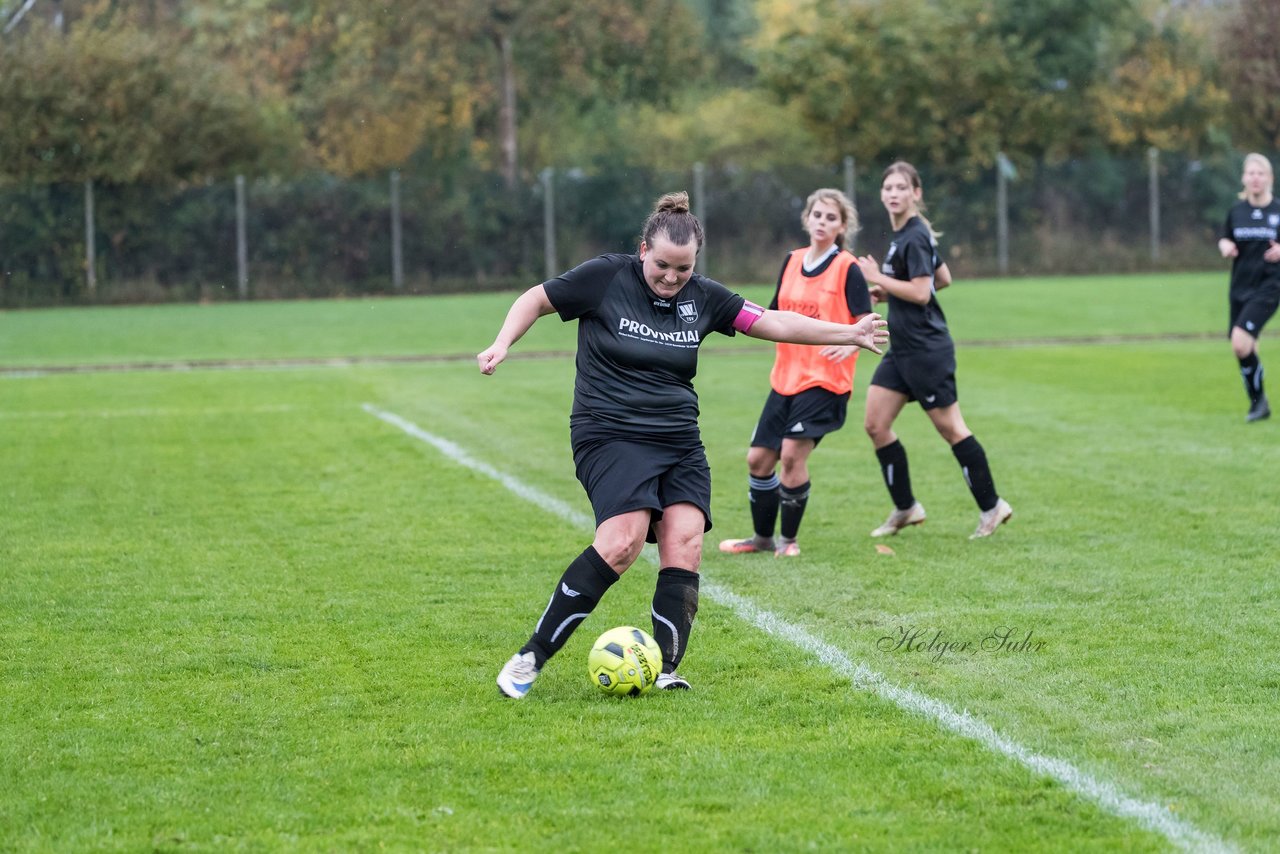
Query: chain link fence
point(465, 230)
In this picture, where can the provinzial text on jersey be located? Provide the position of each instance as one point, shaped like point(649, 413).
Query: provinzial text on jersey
point(635, 327)
point(1259, 233)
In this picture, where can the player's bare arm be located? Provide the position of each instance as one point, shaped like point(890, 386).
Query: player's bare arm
point(918, 290)
point(524, 312)
point(871, 332)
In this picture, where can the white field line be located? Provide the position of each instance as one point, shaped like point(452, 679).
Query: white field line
point(147, 412)
point(1149, 815)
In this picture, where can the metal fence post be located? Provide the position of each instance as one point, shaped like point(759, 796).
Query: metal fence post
point(397, 250)
point(242, 241)
point(1153, 182)
point(90, 251)
point(549, 222)
point(1002, 212)
point(698, 205)
point(850, 173)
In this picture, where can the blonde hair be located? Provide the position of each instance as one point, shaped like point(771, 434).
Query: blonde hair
point(1259, 160)
point(848, 213)
point(902, 167)
point(671, 216)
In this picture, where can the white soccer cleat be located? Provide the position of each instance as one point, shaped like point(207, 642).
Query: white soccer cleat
point(900, 519)
point(992, 519)
point(670, 682)
point(517, 675)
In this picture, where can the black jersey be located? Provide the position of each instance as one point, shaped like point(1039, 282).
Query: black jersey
point(1252, 229)
point(637, 352)
point(914, 327)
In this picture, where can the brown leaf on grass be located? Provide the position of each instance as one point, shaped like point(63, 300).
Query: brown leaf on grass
point(883, 549)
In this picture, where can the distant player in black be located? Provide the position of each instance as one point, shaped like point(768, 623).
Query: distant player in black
point(921, 364)
point(634, 425)
point(1249, 238)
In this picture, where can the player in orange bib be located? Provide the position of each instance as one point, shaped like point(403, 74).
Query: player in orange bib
point(811, 385)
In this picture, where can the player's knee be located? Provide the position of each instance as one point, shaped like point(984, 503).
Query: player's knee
point(620, 549)
point(760, 462)
point(792, 463)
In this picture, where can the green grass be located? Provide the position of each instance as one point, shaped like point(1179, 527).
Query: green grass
point(450, 325)
point(239, 612)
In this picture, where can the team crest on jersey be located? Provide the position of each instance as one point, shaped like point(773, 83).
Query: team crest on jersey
point(885, 266)
point(688, 310)
point(1274, 220)
point(1256, 214)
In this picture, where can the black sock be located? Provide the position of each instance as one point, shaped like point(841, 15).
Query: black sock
point(973, 462)
point(764, 504)
point(675, 603)
point(583, 585)
point(1251, 372)
point(793, 504)
point(893, 465)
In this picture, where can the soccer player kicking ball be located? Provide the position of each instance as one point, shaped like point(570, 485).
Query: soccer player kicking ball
point(634, 424)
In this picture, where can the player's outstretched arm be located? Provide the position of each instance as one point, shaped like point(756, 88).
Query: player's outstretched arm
point(871, 332)
point(524, 312)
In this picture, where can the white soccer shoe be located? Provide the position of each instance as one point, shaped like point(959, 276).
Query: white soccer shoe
point(671, 681)
point(517, 675)
point(992, 519)
point(900, 519)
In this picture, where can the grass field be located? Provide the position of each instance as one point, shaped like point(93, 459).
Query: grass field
point(240, 611)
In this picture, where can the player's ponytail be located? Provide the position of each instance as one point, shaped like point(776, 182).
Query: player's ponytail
point(671, 216)
point(909, 172)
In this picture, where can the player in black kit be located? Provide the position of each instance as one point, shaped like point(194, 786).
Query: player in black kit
point(921, 364)
point(1249, 239)
point(634, 425)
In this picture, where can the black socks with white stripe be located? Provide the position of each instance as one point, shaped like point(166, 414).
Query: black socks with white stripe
point(675, 604)
point(763, 493)
point(977, 473)
point(577, 592)
point(1251, 373)
point(893, 466)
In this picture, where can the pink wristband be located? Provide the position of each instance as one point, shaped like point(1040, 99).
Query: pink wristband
point(747, 317)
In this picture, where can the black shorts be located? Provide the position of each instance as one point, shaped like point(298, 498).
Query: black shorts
point(811, 414)
point(928, 376)
point(626, 474)
point(1251, 310)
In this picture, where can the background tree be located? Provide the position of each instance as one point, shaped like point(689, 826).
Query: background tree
point(570, 63)
point(917, 79)
point(1248, 48)
point(118, 105)
point(1161, 94)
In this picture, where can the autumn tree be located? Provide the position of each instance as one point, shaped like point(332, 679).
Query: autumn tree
point(1249, 57)
point(119, 105)
point(1160, 94)
point(564, 60)
point(942, 81)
